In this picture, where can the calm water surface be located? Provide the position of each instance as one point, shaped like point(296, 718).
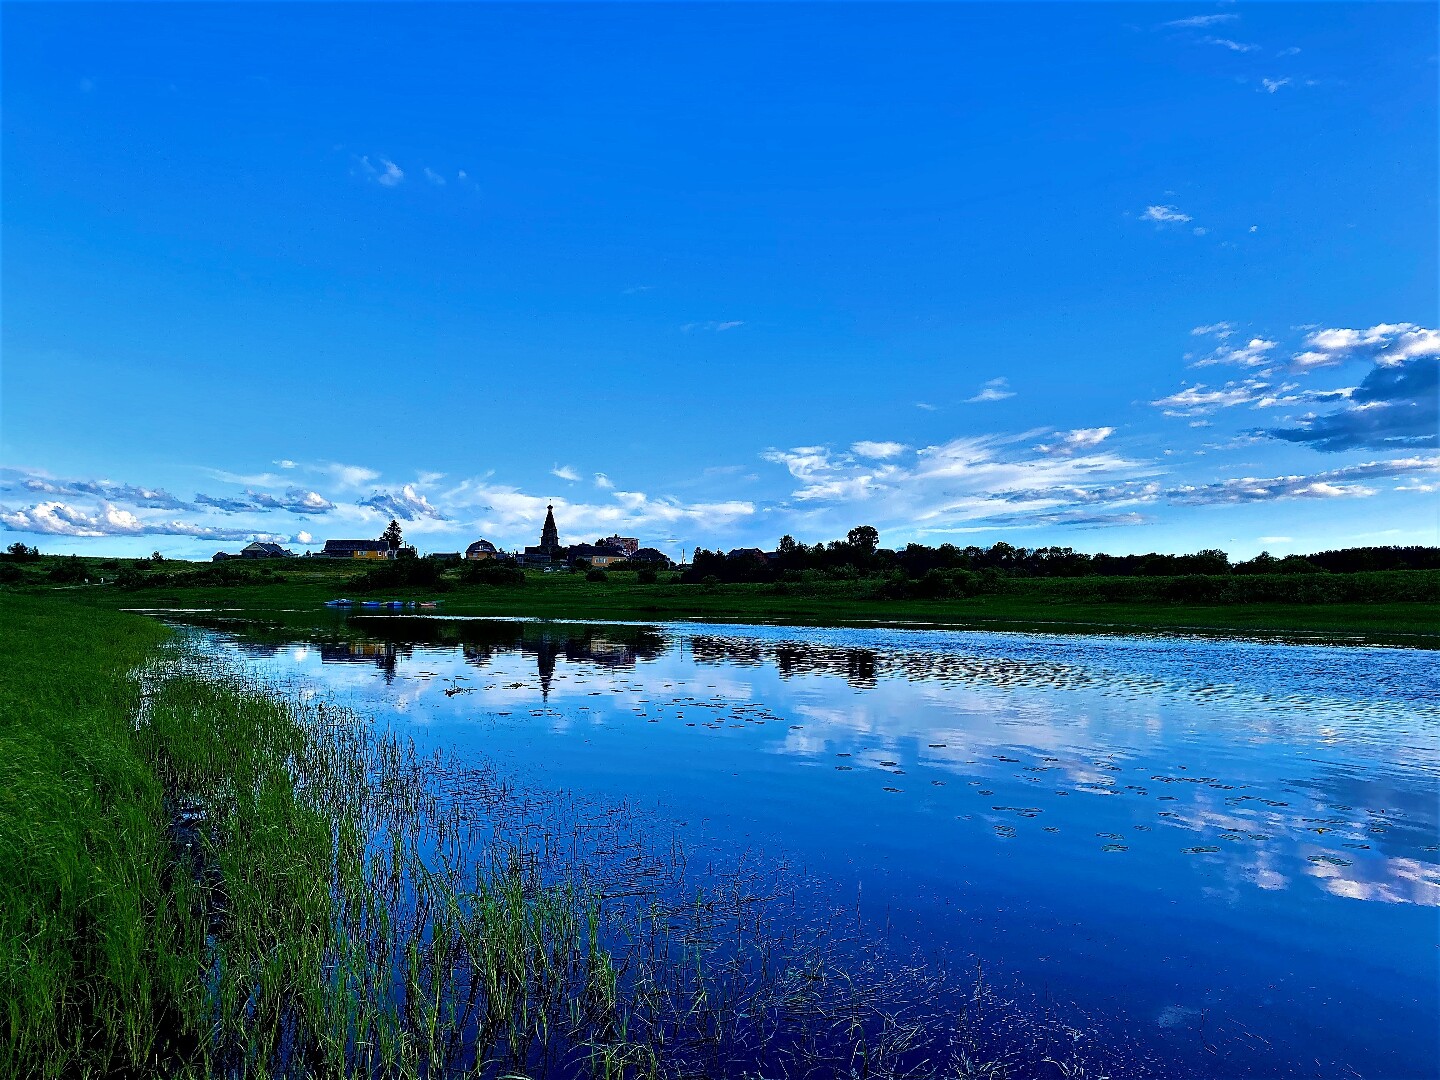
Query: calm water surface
point(1225, 849)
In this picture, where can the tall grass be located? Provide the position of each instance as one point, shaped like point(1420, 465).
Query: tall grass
point(89, 952)
point(206, 876)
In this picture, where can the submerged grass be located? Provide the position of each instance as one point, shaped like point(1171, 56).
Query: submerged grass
point(206, 877)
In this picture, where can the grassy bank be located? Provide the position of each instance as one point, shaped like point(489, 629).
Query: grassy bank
point(206, 878)
point(1391, 606)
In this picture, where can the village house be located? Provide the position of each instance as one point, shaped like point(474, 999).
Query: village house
point(357, 549)
point(598, 555)
point(482, 549)
point(257, 550)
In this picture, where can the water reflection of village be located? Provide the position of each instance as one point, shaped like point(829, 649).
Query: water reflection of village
point(389, 641)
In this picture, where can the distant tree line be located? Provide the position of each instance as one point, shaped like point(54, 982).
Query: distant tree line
point(860, 556)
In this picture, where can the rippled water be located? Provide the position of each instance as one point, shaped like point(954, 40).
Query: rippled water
point(1227, 850)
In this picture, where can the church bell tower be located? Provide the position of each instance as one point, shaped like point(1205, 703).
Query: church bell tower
point(549, 535)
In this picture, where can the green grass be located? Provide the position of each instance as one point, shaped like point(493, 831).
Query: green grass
point(87, 953)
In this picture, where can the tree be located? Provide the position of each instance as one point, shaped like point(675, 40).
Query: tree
point(864, 539)
point(392, 535)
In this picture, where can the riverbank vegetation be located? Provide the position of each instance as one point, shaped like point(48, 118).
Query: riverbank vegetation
point(205, 877)
point(1376, 593)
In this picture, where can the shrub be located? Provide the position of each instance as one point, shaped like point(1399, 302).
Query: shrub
point(647, 576)
point(67, 571)
point(596, 574)
point(492, 572)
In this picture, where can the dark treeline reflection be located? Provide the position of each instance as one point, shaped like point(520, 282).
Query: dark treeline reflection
point(862, 667)
point(385, 641)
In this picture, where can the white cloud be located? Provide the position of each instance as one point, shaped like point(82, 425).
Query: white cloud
point(1254, 353)
point(1073, 441)
point(1387, 344)
point(1197, 21)
point(1164, 214)
point(1339, 483)
point(56, 518)
point(603, 481)
point(994, 390)
point(925, 405)
point(285, 463)
point(1198, 400)
point(712, 326)
point(434, 177)
point(386, 174)
point(347, 476)
point(303, 537)
point(407, 504)
point(1220, 330)
point(565, 472)
point(879, 450)
point(1226, 43)
point(953, 485)
point(1272, 85)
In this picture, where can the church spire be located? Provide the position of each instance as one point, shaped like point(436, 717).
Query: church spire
point(549, 535)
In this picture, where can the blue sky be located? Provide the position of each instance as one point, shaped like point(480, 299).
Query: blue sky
point(1123, 277)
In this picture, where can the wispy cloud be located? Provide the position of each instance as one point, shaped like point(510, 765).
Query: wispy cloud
point(383, 171)
point(1384, 343)
point(1195, 22)
point(711, 327)
point(1331, 484)
point(156, 498)
point(951, 485)
point(604, 482)
point(565, 472)
point(295, 500)
point(1221, 330)
point(881, 451)
point(1071, 442)
point(994, 390)
point(1253, 354)
point(1164, 214)
point(1227, 43)
point(1270, 86)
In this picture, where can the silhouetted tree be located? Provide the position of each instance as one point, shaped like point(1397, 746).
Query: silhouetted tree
point(392, 535)
point(864, 539)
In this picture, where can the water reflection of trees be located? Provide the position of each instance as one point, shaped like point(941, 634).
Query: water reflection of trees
point(862, 667)
point(383, 654)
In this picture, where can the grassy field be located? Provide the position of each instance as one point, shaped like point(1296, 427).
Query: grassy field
point(1080, 605)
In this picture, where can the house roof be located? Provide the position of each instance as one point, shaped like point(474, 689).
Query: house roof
point(480, 545)
point(357, 545)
